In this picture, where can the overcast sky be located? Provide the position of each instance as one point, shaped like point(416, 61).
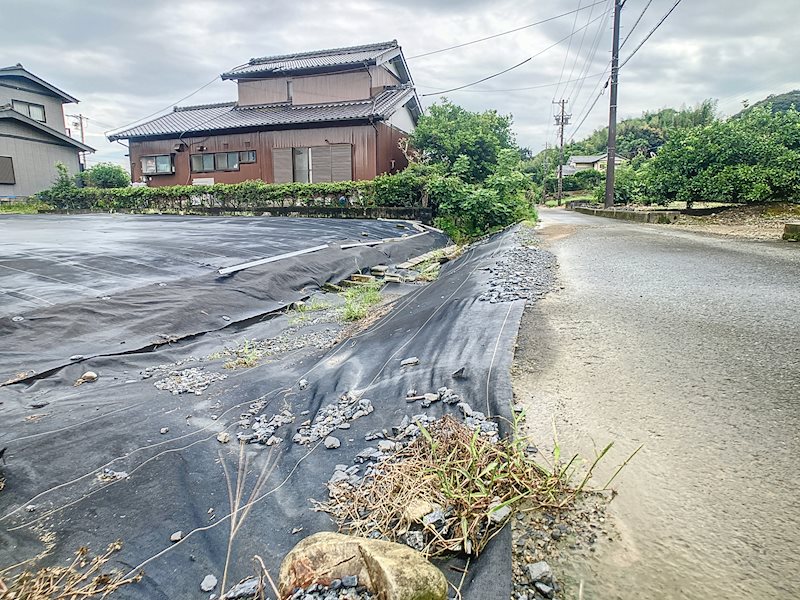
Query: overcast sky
point(125, 60)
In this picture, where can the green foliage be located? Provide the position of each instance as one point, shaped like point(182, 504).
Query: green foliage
point(388, 190)
point(22, 208)
point(462, 143)
point(106, 175)
point(469, 210)
point(752, 158)
point(359, 299)
point(629, 187)
point(775, 102)
point(402, 189)
point(645, 134)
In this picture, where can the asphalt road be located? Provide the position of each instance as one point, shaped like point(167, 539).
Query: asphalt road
point(50, 259)
point(690, 345)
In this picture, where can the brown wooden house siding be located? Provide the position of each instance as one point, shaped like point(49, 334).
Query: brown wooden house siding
point(374, 147)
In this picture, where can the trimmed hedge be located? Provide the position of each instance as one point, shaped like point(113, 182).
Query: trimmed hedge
point(404, 189)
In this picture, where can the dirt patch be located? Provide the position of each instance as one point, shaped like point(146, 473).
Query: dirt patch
point(759, 222)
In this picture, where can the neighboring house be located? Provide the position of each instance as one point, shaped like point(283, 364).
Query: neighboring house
point(33, 137)
point(597, 162)
point(328, 115)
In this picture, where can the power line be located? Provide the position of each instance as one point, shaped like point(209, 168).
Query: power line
point(589, 111)
point(170, 105)
point(496, 35)
point(461, 87)
point(575, 92)
point(641, 14)
point(530, 87)
point(652, 31)
point(569, 46)
point(577, 55)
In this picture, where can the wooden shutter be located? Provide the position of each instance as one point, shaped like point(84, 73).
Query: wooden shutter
point(341, 162)
point(282, 171)
point(321, 164)
point(7, 170)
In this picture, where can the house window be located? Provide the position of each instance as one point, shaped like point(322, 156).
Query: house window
point(7, 171)
point(317, 164)
point(34, 111)
point(301, 162)
point(221, 161)
point(289, 91)
point(160, 164)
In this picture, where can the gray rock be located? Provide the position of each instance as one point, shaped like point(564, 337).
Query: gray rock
point(176, 537)
point(350, 581)
point(332, 443)
point(500, 515)
point(244, 589)
point(407, 362)
point(544, 589)
point(164, 430)
point(209, 583)
point(539, 571)
point(415, 540)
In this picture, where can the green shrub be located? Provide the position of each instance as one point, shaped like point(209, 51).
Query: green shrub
point(106, 175)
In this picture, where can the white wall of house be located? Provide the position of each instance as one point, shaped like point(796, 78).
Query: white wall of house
point(53, 108)
point(34, 155)
point(403, 120)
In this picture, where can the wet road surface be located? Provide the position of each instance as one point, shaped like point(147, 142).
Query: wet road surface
point(689, 345)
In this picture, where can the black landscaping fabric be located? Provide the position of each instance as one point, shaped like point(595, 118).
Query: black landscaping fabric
point(175, 480)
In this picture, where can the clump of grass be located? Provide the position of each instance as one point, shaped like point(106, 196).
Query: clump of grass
point(23, 208)
point(464, 475)
point(449, 466)
point(300, 313)
point(358, 300)
point(84, 577)
point(245, 355)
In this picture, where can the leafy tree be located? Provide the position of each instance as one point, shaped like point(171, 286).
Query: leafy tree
point(752, 158)
point(106, 175)
point(463, 143)
point(776, 102)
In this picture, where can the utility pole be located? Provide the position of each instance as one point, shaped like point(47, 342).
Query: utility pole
point(544, 173)
point(562, 119)
point(611, 154)
point(80, 119)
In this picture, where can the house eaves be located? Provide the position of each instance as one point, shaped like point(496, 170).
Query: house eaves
point(229, 117)
point(6, 112)
point(19, 71)
point(321, 61)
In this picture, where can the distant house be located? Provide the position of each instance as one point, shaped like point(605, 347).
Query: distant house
point(327, 115)
point(33, 137)
point(598, 162)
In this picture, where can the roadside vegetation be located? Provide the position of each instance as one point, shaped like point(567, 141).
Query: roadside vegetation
point(465, 166)
point(30, 207)
point(691, 156)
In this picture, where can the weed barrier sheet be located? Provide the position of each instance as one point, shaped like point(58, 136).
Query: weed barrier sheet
point(120, 459)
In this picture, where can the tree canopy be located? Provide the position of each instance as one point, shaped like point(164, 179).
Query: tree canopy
point(106, 175)
point(465, 144)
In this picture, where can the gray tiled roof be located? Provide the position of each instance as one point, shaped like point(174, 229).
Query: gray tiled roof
point(592, 158)
point(230, 116)
point(319, 59)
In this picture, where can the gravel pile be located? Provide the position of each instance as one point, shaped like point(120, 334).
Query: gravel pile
point(522, 271)
point(263, 427)
point(346, 588)
point(332, 417)
point(193, 380)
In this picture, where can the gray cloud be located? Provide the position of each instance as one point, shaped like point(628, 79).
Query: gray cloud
point(126, 60)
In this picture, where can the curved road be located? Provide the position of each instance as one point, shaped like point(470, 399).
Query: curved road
point(690, 345)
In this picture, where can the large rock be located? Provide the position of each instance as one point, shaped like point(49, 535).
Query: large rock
point(791, 231)
point(392, 571)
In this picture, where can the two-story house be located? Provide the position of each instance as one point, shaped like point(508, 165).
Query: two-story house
point(329, 115)
point(33, 137)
